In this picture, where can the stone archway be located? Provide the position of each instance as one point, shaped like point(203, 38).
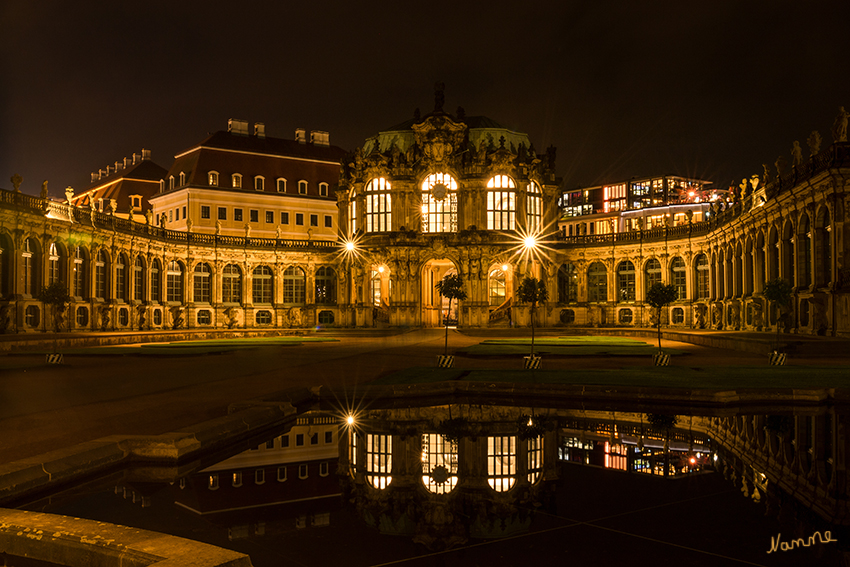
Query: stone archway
point(433, 306)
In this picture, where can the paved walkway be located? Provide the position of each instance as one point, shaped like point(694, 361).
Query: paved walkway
point(49, 407)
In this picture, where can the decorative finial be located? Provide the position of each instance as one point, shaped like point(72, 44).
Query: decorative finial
point(16, 182)
point(502, 142)
point(439, 97)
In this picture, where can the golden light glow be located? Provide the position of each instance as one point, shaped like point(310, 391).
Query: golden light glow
point(529, 242)
point(533, 245)
point(381, 269)
point(505, 268)
point(350, 420)
point(349, 246)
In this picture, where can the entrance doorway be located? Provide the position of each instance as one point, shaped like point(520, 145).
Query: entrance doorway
point(435, 308)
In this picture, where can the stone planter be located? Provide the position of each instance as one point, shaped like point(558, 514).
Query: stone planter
point(661, 359)
point(445, 361)
point(531, 362)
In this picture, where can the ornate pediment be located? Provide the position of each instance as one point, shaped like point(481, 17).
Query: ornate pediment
point(439, 137)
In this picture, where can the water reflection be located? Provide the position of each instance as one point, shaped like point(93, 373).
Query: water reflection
point(470, 482)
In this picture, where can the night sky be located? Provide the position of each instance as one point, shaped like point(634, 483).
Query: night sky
point(623, 89)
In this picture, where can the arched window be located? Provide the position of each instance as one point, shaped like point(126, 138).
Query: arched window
point(326, 286)
point(497, 288)
point(231, 284)
point(121, 277)
point(236, 178)
point(30, 263)
point(281, 185)
point(212, 178)
point(719, 279)
point(139, 279)
point(535, 459)
point(773, 254)
point(54, 270)
point(439, 463)
point(597, 282)
point(787, 247)
point(501, 463)
point(567, 284)
point(156, 281)
point(262, 285)
point(202, 286)
point(259, 183)
point(302, 187)
point(174, 282)
point(823, 258)
point(759, 266)
point(678, 275)
point(79, 272)
point(501, 203)
point(702, 277)
point(533, 209)
point(323, 189)
point(375, 287)
point(378, 206)
point(804, 247)
point(100, 271)
point(294, 286)
point(651, 273)
point(439, 203)
point(379, 460)
point(625, 281)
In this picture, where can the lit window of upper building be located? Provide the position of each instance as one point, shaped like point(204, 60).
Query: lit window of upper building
point(237, 181)
point(259, 183)
point(212, 178)
point(378, 206)
point(501, 203)
point(439, 203)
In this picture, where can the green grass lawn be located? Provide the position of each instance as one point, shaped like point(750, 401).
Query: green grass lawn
point(184, 348)
point(721, 377)
point(566, 346)
point(567, 341)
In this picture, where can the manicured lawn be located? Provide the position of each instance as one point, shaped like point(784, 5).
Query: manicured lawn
point(566, 346)
point(721, 377)
point(568, 341)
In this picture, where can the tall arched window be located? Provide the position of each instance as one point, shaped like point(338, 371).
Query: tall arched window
point(100, 271)
point(231, 284)
point(79, 272)
point(823, 257)
point(375, 287)
point(30, 263)
point(352, 213)
point(501, 463)
point(439, 463)
point(54, 272)
point(535, 459)
point(534, 209)
point(678, 276)
point(501, 203)
point(773, 254)
point(262, 285)
point(625, 281)
point(651, 273)
point(759, 266)
point(326, 286)
point(597, 282)
point(804, 246)
point(567, 284)
point(121, 277)
point(202, 284)
point(174, 282)
point(439, 203)
point(702, 276)
point(294, 286)
point(378, 206)
point(787, 248)
point(379, 460)
point(139, 279)
point(156, 281)
point(497, 287)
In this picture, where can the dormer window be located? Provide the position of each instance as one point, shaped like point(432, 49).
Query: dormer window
point(237, 181)
point(281, 185)
point(212, 178)
point(259, 183)
point(170, 182)
point(161, 185)
point(323, 189)
point(302, 187)
point(182, 179)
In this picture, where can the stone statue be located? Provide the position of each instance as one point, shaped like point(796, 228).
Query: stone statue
point(735, 314)
point(149, 217)
point(163, 218)
point(758, 315)
point(700, 311)
point(796, 154)
point(176, 317)
point(295, 317)
point(247, 230)
point(43, 193)
point(113, 206)
point(781, 163)
point(130, 214)
point(69, 194)
point(839, 127)
point(189, 224)
point(716, 317)
point(141, 310)
point(232, 317)
point(16, 182)
point(277, 232)
point(814, 142)
point(765, 178)
point(92, 211)
point(59, 317)
point(104, 317)
point(218, 227)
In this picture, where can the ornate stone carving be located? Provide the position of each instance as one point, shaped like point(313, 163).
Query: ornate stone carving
point(814, 142)
point(796, 154)
point(839, 127)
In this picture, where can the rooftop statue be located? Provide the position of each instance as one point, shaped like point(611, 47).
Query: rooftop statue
point(839, 128)
point(796, 154)
point(814, 142)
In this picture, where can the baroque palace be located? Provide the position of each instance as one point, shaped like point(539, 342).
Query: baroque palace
point(246, 231)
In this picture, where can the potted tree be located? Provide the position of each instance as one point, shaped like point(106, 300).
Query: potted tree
point(778, 291)
point(659, 296)
point(533, 291)
point(450, 287)
point(56, 296)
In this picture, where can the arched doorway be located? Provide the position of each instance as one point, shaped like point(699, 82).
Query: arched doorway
point(435, 308)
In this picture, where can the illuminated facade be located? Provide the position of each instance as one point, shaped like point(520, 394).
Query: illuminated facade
point(437, 194)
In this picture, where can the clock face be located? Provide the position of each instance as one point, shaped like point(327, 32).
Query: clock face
point(439, 191)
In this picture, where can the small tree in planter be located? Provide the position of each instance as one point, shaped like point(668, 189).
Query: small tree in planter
point(56, 296)
point(450, 287)
point(533, 291)
point(659, 296)
point(778, 291)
